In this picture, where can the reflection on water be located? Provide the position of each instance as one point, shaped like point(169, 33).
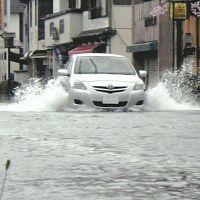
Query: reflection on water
point(101, 155)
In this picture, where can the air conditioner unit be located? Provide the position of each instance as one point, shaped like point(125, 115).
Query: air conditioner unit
point(188, 39)
point(55, 34)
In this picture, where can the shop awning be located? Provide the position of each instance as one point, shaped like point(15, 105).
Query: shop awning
point(140, 47)
point(38, 54)
point(25, 56)
point(15, 57)
point(34, 54)
point(95, 34)
point(83, 49)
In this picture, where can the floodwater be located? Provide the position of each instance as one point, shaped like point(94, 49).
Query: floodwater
point(57, 153)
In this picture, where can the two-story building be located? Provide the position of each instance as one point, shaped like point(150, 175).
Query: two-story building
point(35, 52)
point(87, 26)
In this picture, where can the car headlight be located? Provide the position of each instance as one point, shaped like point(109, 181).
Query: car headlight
point(138, 86)
point(79, 85)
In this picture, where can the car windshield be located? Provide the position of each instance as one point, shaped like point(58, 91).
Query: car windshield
point(103, 65)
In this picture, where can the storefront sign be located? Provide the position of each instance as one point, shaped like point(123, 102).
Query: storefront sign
point(178, 10)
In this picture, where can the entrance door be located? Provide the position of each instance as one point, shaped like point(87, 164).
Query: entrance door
point(151, 66)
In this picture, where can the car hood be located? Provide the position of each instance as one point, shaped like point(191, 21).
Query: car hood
point(87, 78)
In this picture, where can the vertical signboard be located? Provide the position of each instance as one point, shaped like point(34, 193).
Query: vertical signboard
point(178, 10)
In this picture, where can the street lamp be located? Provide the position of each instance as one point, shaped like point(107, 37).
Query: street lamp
point(197, 44)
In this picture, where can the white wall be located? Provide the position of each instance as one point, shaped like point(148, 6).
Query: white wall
point(59, 5)
point(122, 23)
point(76, 24)
point(120, 41)
point(72, 27)
point(142, 33)
point(89, 24)
point(12, 26)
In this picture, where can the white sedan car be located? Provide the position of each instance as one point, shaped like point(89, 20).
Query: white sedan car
point(101, 80)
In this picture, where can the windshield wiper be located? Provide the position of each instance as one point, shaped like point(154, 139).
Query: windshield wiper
point(93, 63)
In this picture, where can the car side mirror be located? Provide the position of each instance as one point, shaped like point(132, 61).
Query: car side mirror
point(142, 73)
point(63, 72)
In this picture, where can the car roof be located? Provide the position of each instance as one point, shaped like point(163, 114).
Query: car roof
point(98, 54)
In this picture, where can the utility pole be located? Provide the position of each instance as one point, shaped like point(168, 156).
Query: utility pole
point(178, 13)
point(173, 40)
point(110, 20)
point(197, 45)
point(179, 45)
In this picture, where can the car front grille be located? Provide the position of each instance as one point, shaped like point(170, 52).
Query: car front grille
point(101, 104)
point(110, 90)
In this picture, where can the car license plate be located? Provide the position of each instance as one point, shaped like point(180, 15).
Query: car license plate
point(110, 100)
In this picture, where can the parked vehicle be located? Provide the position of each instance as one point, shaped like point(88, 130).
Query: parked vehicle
point(101, 80)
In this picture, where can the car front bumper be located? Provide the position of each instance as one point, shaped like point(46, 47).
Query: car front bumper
point(94, 99)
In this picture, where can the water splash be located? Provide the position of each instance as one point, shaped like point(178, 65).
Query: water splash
point(38, 96)
point(174, 92)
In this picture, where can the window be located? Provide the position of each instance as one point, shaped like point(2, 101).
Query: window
point(122, 2)
point(51, 28)
point(61, 26)
point(98, 8)
point(44, 7)
point(36, 6)
point(104, 8)
point(72, 3)
point(30, 15)
point(85, 5)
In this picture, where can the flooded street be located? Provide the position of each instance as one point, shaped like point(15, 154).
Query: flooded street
point(58, 153)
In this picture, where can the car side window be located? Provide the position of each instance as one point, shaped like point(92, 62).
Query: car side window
point(69, 65)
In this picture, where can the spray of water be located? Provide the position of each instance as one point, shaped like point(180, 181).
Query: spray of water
point(176, 91)
point(38, 96)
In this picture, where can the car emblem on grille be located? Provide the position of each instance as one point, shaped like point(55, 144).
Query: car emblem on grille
point(110, 87)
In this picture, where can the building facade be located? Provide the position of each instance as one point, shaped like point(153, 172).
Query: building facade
point(34, 51)
point(152, 40)
point(52, 30)
point(11, 67)
point(87, 26)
